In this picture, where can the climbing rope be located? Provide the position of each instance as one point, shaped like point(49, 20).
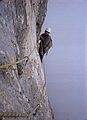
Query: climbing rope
point(14, 63)
point(24, 114)
point(20, 114)
point(41, 97)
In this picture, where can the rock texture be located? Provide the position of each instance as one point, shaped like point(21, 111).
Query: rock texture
point(22, 86)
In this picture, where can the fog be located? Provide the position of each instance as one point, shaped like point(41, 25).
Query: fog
point(66, 63)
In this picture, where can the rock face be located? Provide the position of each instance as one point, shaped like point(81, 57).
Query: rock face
point(22, 85)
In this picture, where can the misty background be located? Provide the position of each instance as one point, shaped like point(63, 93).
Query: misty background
point(66, 63)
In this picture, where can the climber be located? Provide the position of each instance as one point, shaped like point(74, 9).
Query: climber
point(45, 43)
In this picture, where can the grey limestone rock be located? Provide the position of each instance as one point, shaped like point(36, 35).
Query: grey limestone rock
point(22, 85)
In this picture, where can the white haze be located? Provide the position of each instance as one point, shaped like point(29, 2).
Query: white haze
point(66, 63)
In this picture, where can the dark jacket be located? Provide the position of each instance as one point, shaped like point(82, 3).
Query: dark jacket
point(46, 42)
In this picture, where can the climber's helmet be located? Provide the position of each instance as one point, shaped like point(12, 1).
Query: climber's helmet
point(48, 30)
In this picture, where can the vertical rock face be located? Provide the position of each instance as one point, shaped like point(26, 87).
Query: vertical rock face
point(22, 85)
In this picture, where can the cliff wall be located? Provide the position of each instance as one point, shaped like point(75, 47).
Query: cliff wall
point(22, 84)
